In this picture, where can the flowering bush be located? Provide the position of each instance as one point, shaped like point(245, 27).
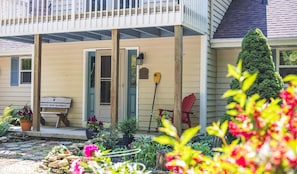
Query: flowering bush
point(98, 162)
point(266, 132)
point(93, 124)
point(25, 113)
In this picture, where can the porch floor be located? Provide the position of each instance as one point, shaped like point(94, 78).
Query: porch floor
point(50, 131)
point(67, 132)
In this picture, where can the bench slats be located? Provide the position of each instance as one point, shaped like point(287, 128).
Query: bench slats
point(56, 103)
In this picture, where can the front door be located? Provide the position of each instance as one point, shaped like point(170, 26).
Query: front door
point(99, 84)
point(131, 83)
point(91, 83)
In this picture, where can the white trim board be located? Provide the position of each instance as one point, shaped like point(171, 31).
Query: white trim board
point(236, 42)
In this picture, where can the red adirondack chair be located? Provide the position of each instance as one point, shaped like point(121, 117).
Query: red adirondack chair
point(187, 105)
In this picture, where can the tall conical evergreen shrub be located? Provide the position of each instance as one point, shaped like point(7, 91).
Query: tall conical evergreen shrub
point(256, 56)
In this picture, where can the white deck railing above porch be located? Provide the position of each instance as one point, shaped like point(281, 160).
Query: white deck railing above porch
point(27, 17)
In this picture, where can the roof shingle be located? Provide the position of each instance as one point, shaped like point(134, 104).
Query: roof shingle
point(277, 19)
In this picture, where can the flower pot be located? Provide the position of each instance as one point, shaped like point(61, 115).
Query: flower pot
point(26, 125)
point(127, 140)
point(91, 133)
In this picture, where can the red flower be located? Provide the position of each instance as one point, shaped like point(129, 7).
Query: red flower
point(241, 161)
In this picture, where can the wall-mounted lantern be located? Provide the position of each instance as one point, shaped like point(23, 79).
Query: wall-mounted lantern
point(139, 59)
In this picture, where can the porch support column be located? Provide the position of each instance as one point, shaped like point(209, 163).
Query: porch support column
point(115, 76)
point(203, 83)
point(37, 81)
point(178, 54)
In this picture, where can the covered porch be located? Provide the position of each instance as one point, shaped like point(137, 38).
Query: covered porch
point(52, 21)
point(66, 132)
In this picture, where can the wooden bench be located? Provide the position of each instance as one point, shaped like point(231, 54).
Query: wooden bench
point(56, 106)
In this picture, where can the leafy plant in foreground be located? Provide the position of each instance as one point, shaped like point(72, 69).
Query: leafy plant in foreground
point(148, 152)
point(266, 132)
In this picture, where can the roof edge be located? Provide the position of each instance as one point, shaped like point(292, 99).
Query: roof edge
point(17, 52)
point(236, 42)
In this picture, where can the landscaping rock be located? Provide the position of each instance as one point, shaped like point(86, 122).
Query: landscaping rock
point(3, 139)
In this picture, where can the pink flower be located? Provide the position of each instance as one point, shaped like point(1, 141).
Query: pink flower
point(76, 168)
point(90, 149)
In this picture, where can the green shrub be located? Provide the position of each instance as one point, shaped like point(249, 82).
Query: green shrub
point(109, 139)
point(148, 152)
point(4, 127)
point(10, 115)
point(203, 143)
point(6, 119)
point(256, 57)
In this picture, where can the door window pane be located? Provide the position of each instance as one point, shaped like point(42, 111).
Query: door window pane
point(105, 92)
point(133, 71)
point(105, 82)
point(92, 74)
point(105, 67)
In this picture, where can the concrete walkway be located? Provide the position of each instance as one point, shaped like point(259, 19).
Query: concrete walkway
point(24, 157)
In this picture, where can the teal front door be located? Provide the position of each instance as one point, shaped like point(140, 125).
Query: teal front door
point(91, 83)
point(131, 83)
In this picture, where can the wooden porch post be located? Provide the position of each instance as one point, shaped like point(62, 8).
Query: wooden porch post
point(115, 76)
point(37, 81)
point(178, 54)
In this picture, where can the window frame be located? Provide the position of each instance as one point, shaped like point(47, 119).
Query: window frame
point(278, 50)
point(23, 71)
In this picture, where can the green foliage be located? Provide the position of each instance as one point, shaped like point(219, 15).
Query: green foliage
point(203, 143)
point(4, 127)
point(148, 152)
point(128, 126)
point(266, 132)
point(109, 139)
point(256, 57)
point(6, 119)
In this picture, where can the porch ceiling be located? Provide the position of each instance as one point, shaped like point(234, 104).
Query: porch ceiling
point(132, 33)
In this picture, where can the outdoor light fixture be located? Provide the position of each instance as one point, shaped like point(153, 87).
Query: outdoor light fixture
point(139, 59)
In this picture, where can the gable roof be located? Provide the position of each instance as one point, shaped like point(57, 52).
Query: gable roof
point(8, 47)
point(277, 19)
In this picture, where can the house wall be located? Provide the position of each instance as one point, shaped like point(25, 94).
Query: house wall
point(216, 11)
point(17, 96)
point(62, 74)
point(225, 57)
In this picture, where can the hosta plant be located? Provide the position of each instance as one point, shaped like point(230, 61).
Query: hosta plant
point(266, 134)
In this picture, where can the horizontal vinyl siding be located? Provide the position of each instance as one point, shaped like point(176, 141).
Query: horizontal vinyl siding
point(62, 74)
point(218, 11)
point(11, 95)
point(225, 57)
point(161, 59)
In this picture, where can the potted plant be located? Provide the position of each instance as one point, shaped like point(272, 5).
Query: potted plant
point(128, 128)
point(26, 116)
point(93, 127)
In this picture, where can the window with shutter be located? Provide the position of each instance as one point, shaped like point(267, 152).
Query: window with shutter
point(25, 70)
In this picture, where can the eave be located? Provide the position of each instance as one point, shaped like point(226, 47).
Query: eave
point(236, 42)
